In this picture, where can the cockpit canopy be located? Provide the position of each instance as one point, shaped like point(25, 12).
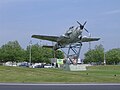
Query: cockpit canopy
point(71, 29)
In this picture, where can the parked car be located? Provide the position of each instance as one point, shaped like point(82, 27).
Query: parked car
point(48, 66)
point(38, 65)
point(23, 64)
point(8, 64)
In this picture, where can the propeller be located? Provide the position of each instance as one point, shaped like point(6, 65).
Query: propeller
point(82, 26)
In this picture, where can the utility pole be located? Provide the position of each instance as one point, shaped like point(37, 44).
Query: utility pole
point(30, 44)
point(104, 56)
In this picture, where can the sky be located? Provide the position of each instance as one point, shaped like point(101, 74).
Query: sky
point(19, 19)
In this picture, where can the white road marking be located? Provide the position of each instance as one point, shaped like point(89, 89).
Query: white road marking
point(88, 84)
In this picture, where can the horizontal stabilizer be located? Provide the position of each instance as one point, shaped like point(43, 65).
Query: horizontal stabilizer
point(47, 46)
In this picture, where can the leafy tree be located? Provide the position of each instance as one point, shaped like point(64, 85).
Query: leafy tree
point(36, 54)
point(39, 54)
point(113, 56)
point(59, 54)
point(47, 54)
point(95, 55)
point(11, 51)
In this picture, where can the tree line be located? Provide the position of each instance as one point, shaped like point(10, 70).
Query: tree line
point(12, 51)
point(98, 56)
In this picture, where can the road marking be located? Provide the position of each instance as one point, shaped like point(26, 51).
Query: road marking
point(88, 84)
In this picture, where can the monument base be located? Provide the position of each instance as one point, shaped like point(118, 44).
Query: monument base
point(72, 67)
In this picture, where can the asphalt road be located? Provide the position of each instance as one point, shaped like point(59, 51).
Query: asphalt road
point(18, 86)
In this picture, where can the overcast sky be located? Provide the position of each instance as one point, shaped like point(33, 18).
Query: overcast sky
point(19, 19)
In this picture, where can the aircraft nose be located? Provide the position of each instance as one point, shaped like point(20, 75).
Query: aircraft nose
point(81, 27)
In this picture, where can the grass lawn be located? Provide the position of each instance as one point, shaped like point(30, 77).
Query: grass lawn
point(94, 74)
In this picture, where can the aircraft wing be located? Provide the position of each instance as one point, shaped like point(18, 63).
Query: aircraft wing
point(89, 39)
point(44, 37)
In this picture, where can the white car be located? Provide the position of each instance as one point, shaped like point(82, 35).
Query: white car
point(48, 66)
point(8, 64)
point(37, 65)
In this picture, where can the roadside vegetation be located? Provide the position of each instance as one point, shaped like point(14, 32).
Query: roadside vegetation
point(12, 51)
point(93, 74)
point(98, 54)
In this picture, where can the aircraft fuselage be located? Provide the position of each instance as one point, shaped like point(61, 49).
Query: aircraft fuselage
point(70, 37)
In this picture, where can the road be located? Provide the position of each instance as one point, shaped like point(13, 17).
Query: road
point(20, 86)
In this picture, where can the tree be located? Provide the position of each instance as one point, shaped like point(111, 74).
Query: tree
point(11, 51)
point(95, 55)
point(39, 54)
point(113, 56)
point(59, 54)
point(36, 53)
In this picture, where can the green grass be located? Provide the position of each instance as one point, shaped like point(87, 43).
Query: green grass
point(94, 74)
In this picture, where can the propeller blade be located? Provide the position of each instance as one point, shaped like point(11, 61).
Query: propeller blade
point(86, 30)
point(81, 26)
point(79, 23)
point(84, 23)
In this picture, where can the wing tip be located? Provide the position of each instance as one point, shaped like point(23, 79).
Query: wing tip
point(35, 36)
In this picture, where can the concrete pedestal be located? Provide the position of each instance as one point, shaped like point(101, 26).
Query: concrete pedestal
point(72, 67)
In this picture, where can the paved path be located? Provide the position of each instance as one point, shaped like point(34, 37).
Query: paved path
point(20, 86)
